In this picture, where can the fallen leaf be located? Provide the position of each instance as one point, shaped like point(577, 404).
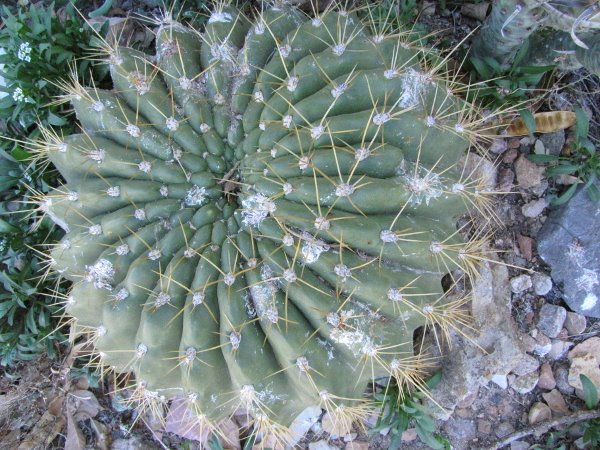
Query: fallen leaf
point(545, 122)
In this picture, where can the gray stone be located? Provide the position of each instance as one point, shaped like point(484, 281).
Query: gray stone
point(539, 412)
point(575, 323)
point(527, 365)
point(534, 208)
point(529, 174)
point(546, 380)
point(559, 349)
point(542, 284)
point(524, 384)
point(543, 345)
point(551, 319)
point(500, 380)
point(519, 445)
point(321, 445)
point(553, 142)
point(520, 284)
point(568, 242)
point(561, 375)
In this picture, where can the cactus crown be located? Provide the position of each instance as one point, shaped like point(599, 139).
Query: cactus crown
point(260, 217)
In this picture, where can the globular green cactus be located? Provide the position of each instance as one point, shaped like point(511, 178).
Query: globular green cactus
point(260, 216)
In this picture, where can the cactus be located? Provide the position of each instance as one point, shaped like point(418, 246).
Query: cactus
point(260, 217)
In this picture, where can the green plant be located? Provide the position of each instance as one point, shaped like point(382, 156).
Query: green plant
point(401, 408)
point(39, 45)
point(582, 162)
point(261, 216)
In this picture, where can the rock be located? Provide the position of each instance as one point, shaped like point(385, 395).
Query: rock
point(301, 424)
point(498, 146)
point(556, 402)
point(484, 426)
point(468, 400)
point(335, 428)
point(506, 178)
point(529, 343)
point(504, 429)
point(529, 174)
point(481, 169)
point(514, 143)
point(539, 412)
point(589, 346)
point(476, 11)
point(542, 284)
point(527, 365)
point(321, 445)
point(551, 319)
point(500, 380)
point(553, 142)
point(428, 8)
point(465, 367)
point(564, 334)
point(561, 375)
point(586, 365)
point(525, 383)
point(519, 445)
point(133, 443)
point(559, 349)
point(539, 148)
point(568, 242)
point(409, 435)
point(510, 156)
point(546, 380)
point(543, 345)
point(357, 445)
point(525, 246)
point(575, 323)
point(520, 284)
point(350, 437)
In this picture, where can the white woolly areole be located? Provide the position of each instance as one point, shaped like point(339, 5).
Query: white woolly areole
point(220, 16)
point(189, 253)
point(287, 188)
point(288, 240)
point(195, 196)
point(198, 298)
point(190, 355)
point(394, 294)
point(317, 132)
point(458, 187)
point(162, 299)
point(302, 364)
point(72, 196)
point(154, 254)
point(62, 147)
point(304, 163)
point(172, 124)
point(145, 166)
point(362, 153)
point(289, 275)
point(284, 50)
point(252, 263)
point(430, 121)
point(141, 350)
point(259, 97)
point(339, 90)
point(97, 155)
point(292, 83)
point(185, 83)
point(164, 191)
point(259, 28)
point(133, 130)
point(204, 128)
point(342, 271)
point(235, 339)
point(381, 118)
point(121, 295)
point(101, 274)
point(459, 128)
point(98, 106)
point(139, 214)
point(339, 49)
point(287, 121)
point(95, 230)
point(344, 190)
point(435, 247)
point(316, 22)
point(388, 236)
point(321, 223)
point(312, 248)
point(391, 73)
point(229, 279)
point(256, 208)
point(122, 250)
point(113, 191)
point(101, 331)
point(262, 126)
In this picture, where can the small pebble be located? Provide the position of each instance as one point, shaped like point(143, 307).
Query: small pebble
point(520, 284)
point(500, 380)
point(527, 365)
point(524, 384)
point(321, 445)
point(409, 435)
point(556, 402)
point(519, 445)
point(546, 380)
point(539, 412)
point(534, 208)
point(484, 426)
point(542, 284)
point(561, 375)
point(525, 246)
point(575, 323)
point(559, 349)
point(551, 319)
point(498, 146)
point(543, 345)
point(538, 148)
point(510, 156)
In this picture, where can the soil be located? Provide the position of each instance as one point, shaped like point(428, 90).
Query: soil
point(34, 395)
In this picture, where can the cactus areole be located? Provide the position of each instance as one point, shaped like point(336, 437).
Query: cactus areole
point(259, 217)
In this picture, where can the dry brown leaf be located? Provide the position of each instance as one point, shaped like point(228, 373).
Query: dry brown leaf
point(44, 432)
point(545, 122)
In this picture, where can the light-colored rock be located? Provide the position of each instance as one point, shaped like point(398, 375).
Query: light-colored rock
point(546, 380)
point(559, 349)
point(529, 343)
point(589, 346)
point(543, 345)
point(133, 443)
point(575, 323)
point(527, 365)
point(586, 365)
point(520, 284)
point(542, 284)
point(524, 384)
point(538, 148)
point(476, 11)
point(357, 445)
point(498, 146)
point(539, 412)
point(551, 319)
point(321, 445)
point(553, 142)
point(335, 428)
point(301, 424)
point(519, 445)
point(534, 208)
point(469, 399)
point(484, 426)
point(561, 375)
point(500, 380)
point(409, 435)
point(529, 174)
point(350, 437)
point(556, 402)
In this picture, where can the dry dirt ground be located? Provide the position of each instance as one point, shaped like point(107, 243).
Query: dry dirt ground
point(52, 404)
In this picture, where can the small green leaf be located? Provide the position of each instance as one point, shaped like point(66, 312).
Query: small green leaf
point(582, 124)
point(528, 120)
point(593, 193)
point(563, 169)
point(590, 392)
point(565, 196)
point(542, 158)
